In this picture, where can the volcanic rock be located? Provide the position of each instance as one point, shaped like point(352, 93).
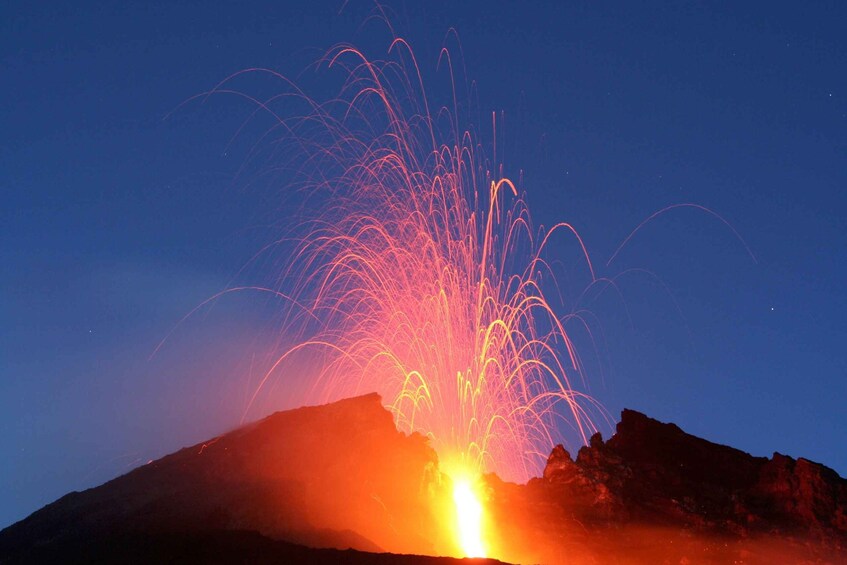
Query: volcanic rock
point(655, 494)
point(659, 473)
point(335, 476)
point(341, 476)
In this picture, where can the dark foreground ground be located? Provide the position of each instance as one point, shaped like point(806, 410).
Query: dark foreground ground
point(339, 484)
point(213, 548)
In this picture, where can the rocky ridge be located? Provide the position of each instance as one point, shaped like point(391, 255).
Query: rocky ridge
point(654, 471)
point(341, 476)
point(654, 494)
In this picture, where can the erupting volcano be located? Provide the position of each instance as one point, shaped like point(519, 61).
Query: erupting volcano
point(342, 476)
point(445, 368)
point(420, 276)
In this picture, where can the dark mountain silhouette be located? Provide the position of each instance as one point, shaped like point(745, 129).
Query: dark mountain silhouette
point(655, 494)
point(336, 476)
point(342, 478)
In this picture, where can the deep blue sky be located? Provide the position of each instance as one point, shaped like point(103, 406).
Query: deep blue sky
point(116, 222)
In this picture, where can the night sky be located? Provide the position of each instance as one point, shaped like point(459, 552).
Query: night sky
point(122, 210)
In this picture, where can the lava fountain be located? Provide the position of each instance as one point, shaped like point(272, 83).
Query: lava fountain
point(416, 273)
point(469, 517)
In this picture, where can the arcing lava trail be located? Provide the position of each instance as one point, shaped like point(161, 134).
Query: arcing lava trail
point(418, 274)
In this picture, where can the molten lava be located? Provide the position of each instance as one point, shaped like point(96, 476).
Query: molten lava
point(419, 275)
point(468, 519)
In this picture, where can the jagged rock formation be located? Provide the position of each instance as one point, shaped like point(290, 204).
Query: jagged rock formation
point(654, 471)
point(653, 493)
point(341, 475)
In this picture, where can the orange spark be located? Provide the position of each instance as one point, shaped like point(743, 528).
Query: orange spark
point(420, 278)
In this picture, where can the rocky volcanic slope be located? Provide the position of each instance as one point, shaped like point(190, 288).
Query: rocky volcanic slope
point(333, 476)
point(654, 471)
point(341, 476)
point(654, 494)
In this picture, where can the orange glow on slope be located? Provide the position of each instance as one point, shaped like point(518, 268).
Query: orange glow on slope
point(468, 519)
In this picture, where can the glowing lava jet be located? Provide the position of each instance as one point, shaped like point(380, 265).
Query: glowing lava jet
point(419, 277)
point(468, 518)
